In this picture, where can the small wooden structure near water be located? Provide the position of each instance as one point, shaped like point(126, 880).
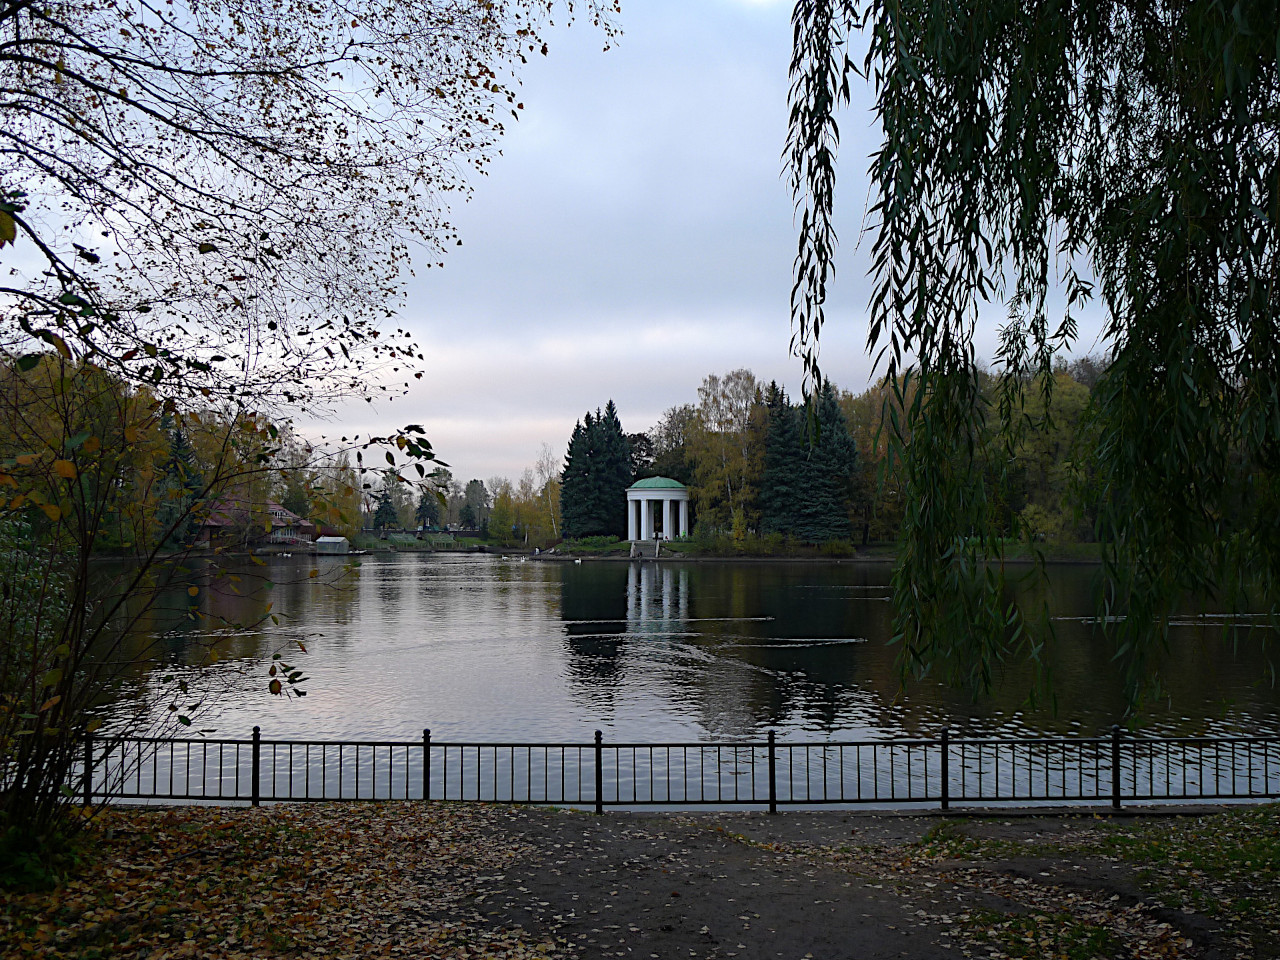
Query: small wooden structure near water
point(335, 546)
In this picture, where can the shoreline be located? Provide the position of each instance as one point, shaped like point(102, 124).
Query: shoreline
point(781, 558)
point(881, 555)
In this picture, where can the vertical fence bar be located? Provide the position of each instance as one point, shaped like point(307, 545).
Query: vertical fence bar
point(88, 769)
point(946, 768)
point(773, 779)
point(426, 764)
point(255, 795)
point(599, 772)
point(1115, 766)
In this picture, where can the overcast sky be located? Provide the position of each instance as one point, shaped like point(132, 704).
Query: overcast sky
point(635, 235)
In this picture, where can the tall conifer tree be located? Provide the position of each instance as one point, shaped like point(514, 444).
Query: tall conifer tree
point(385, 515)
point(826, 477)
point(181, 481)
point(783, 458)
point(575, 483)
point(615, 472)
point(806, 487)
point(596, 475)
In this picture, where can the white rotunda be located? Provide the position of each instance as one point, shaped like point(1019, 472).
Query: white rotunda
point(644, 518)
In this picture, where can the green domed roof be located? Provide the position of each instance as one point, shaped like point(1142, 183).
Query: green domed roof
point(658, 483)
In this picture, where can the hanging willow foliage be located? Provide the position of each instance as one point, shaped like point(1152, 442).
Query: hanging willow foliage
point(1038, 157)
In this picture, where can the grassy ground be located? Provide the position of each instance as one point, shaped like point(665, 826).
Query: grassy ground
point(595, 547)
point(1224, 867)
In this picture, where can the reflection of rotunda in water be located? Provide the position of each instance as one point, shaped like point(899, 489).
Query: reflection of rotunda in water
point(657, 599)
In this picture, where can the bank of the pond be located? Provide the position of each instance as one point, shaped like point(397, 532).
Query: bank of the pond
point(1086, 553)
point(461, 880)
point(1090, 553)
point(885, 559)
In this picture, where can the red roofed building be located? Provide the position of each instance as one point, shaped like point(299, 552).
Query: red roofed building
point(235, 521)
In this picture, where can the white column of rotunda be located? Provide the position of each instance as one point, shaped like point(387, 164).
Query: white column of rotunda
point(643, 498)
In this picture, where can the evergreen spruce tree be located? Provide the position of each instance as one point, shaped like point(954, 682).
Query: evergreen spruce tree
point(593, 509)
point(807, 484)
point(615, 473)
point(575, 481)
point(182, 478)
point(385, 515)
point(467, 517)
point(597, 472)
point(428, 510)
point(784, 455)
point(826, 478)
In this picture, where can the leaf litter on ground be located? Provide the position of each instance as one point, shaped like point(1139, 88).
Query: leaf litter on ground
point(328, 880)
point(361, 880)
point(1224, 864)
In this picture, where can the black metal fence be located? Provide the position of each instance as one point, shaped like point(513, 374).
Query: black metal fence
point(944, 771)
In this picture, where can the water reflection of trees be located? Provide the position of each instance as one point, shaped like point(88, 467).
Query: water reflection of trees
point(789, 637)
point(727, 648)
point(737, 648)
point(593, 611)
point(205, 623)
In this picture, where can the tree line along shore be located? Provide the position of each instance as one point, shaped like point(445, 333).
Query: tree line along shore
point(768, 475)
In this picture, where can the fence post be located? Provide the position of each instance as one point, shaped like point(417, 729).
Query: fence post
point(426, 764)
point(599, 772)
point(773, 779)
point(88, 769)
point(1115, 766)
point(255, 794)
point(946, 768)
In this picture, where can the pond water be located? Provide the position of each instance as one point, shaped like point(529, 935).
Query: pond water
point(478, 647)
